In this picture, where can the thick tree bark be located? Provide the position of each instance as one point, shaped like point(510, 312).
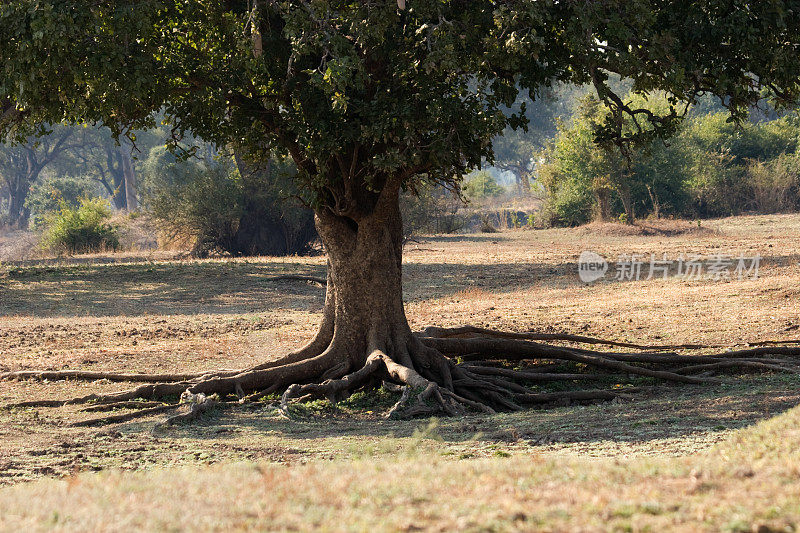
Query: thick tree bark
point(365, 262)
point(19, 188)
point(625, 195)
point(603, 198)
point(522, 177)
point(525, 182)
point(18, 214)
point(115, 167)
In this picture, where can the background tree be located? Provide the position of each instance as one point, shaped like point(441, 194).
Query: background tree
point(583, 179)
point(21, 165)
point(515, 150)
point(369, 98)
point(113, 163)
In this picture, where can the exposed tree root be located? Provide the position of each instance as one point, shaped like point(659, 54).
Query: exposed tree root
point(473, 331)
point(442, 371)
point(87, 375)
point(116, 419)
point(119, 405)
point(199, 404)
point(334, 389)
point(690, 369)
point(511, 350)
point(320, 282)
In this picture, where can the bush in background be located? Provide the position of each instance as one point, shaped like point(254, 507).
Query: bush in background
point(480, 186)
point(710, 168)
point(238, 208)
point(81, 229)
point(434, 209)
point(47, 195)
point(775, 185)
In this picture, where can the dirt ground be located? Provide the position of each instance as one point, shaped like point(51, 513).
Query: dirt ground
point(155, 314)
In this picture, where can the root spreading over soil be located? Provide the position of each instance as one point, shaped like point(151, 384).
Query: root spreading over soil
point(446, 371)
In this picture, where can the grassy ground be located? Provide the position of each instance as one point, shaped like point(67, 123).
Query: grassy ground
point(535, 469)
point(750, 482)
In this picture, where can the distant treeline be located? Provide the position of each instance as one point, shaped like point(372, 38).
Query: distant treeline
point(712, 167)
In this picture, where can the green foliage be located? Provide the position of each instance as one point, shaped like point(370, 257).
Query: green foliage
point(712, 167)
point(720, 156)
point(47, 195)
point(482, 185)
point(715, 133)
point(223, 209)
point(395, 94)
point(568, 198)
point(82, 228)
point(576, 170)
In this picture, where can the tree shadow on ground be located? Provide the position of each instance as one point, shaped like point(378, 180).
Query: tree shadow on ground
point(186, 288)
point(180, 288)
point(668, 412)
point(460, 237)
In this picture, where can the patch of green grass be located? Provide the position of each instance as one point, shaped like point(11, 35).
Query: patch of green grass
point(374, 400)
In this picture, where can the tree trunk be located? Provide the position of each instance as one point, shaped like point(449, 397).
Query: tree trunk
point(365, 287)
point(17, 212)
point(627, 203)
point(119, 192)
point(116, 169)
point(524, 183)
point(131, 202)
point(603, 197)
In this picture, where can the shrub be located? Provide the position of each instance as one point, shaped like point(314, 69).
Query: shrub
point(82, 228)
point(568, 201)
point(482, 185)
point(226, 206)
point(775, 184)
point(47, 195)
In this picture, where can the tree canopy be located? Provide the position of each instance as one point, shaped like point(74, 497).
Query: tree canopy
point(367, 86)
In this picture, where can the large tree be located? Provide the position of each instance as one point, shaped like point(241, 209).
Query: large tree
point(369, 98)
point(22, 163)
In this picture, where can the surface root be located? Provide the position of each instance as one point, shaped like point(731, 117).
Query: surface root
point(447, 371)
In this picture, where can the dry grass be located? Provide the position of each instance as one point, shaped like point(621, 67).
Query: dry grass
point(750, 482)
point(19, 245)
point(662, 227)
point(154, 313)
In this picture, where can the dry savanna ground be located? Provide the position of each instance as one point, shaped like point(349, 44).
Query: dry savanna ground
point(688, 457)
